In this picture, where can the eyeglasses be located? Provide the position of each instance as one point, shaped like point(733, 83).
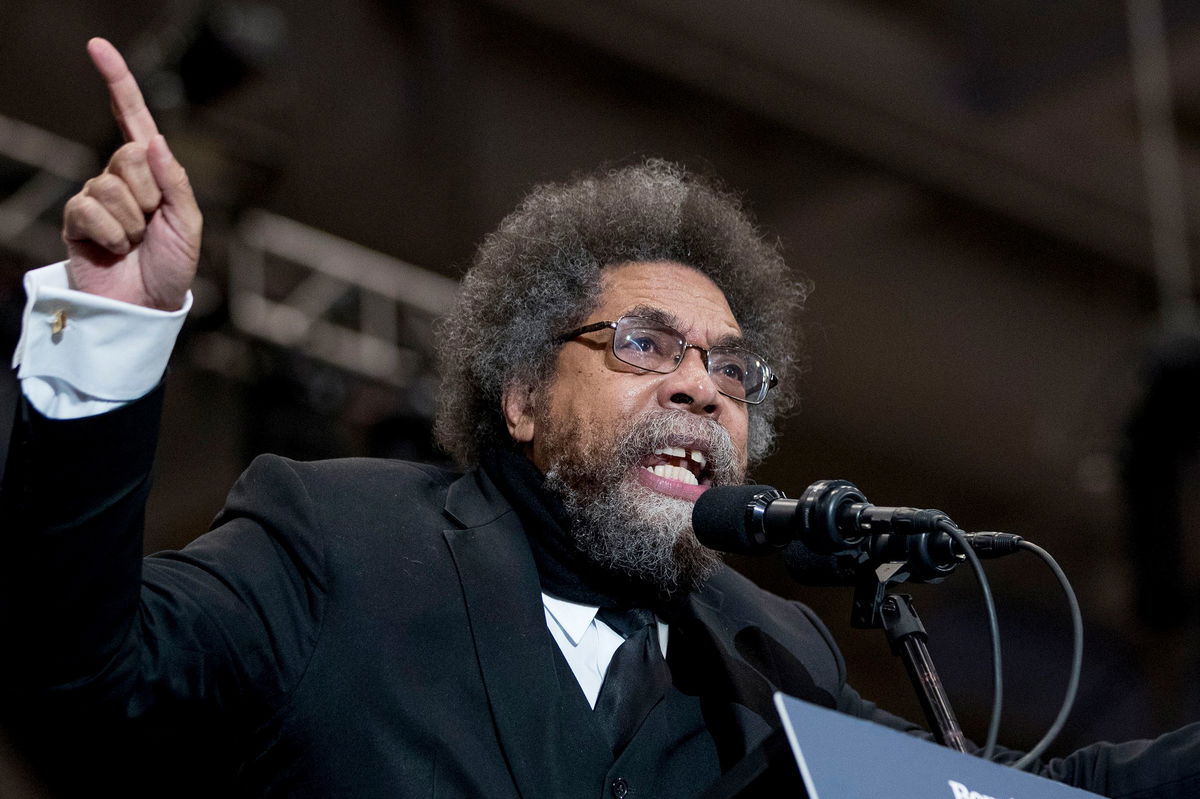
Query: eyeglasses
point(655, 347)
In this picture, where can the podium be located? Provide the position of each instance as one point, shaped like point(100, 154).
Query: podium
point(823, 754)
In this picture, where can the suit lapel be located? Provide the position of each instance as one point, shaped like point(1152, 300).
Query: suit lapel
point(703, 664)
point(736, 668)
point(508, 625)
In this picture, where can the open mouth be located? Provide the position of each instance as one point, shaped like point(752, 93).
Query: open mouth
point(678, 471)
point(678, 463)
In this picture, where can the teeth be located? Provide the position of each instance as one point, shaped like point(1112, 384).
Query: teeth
point(680, 452)
point(674, 473)
point(674, 452)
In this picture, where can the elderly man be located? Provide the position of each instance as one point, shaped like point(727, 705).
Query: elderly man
point(544, 624)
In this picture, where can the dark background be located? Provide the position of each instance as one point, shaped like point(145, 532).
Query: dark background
point(962, 182)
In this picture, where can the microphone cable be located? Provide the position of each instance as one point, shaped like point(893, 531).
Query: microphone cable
point(1072, 691)
point(1076, 656)
point(948, 527)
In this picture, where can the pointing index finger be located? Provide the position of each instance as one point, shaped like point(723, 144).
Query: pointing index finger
point(129, 108)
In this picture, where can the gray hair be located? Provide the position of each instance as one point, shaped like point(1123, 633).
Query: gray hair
point(539, 275)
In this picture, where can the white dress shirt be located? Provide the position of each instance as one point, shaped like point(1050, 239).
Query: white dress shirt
point(587, 643)
point(81, 355)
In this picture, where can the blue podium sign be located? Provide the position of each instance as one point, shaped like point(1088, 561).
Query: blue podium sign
point(841, 757)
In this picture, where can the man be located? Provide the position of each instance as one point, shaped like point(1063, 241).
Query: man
point(374, 628)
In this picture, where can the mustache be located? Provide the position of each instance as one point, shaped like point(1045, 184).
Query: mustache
point(665, 428)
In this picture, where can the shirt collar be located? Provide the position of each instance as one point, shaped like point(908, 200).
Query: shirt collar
point(573, 618)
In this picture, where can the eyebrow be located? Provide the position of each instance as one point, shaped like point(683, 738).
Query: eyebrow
point(665, 317)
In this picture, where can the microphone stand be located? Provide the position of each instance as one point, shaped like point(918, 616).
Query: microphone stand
point(874, 608)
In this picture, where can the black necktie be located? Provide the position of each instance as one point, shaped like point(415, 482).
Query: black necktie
point(637, 677)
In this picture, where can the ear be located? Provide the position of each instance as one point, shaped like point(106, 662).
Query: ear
point(518, 406)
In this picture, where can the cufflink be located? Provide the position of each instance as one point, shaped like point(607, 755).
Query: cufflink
point(58, 321)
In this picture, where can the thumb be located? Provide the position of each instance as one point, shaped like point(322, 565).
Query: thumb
point(178, 200)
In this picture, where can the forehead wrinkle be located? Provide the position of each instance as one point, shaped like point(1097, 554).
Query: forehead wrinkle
point(655, 314)
point(665, 317)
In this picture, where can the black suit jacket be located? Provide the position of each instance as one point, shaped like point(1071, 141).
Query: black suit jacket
point(364, 628)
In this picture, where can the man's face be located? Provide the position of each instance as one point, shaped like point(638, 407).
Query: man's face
point(629, 451)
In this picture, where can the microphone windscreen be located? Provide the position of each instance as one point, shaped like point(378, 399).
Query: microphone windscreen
point(719, 520)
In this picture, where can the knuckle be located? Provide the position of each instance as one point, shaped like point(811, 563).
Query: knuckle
point(104, 186)
point(86, 219)
point(128, 155)
point(111, 236)
point(113, 199)
point(72, 208)
point(78, 214)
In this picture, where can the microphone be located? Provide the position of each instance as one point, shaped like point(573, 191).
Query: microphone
point(831, 517)
point(831, 533)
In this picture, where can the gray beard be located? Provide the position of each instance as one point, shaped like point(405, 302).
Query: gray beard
point(621, 525)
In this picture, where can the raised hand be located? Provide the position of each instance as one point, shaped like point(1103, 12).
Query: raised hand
point(133, 232)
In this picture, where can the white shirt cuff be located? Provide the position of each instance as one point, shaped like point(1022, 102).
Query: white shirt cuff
point(81, 354)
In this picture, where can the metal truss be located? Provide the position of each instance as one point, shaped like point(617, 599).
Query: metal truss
point(334, 300)
point(289, 284)
point(41, 170)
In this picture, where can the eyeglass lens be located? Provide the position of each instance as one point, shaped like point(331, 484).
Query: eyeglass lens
point(655, 347)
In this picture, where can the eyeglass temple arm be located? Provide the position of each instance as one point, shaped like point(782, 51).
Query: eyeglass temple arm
point(585, 329)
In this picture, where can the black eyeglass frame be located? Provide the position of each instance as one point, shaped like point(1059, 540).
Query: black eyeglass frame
point(772, 379)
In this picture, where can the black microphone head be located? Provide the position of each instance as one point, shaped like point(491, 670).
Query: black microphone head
point(720, 518)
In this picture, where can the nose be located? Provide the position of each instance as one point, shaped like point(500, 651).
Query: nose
point(690, 388)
